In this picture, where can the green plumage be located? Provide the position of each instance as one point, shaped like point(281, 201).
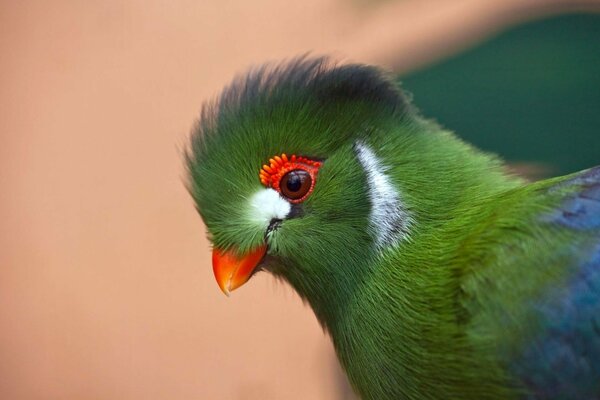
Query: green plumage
point(456, 306)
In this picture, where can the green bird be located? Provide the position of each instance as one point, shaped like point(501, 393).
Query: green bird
point(436, 273)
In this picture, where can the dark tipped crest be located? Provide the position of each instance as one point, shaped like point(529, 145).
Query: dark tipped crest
point(318, 78)
point(281, 89)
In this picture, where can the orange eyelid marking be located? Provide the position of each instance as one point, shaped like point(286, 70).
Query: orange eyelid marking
point(270, 174)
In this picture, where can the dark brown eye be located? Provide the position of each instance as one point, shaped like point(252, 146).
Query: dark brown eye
point(295, 184)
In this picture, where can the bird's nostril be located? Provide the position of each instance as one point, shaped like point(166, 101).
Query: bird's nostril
point(273, 225)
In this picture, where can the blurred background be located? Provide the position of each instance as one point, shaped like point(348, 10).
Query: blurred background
point(106, 289)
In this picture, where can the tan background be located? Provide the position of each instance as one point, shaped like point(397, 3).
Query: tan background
point(106, 290)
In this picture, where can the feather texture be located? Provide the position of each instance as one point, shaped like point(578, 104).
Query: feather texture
point(563, 359)
point(496, 292)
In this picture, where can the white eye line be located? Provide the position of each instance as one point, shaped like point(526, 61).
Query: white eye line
point(389, 220)
point(266, 205)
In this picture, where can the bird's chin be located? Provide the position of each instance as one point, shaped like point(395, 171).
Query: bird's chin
point(269, 263)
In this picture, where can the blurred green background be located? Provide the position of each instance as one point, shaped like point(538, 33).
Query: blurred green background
point(530, 94)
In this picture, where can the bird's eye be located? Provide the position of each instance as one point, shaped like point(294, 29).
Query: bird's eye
point(293, 177)
point(295, 184)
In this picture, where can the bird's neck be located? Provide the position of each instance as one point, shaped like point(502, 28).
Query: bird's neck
point(396, 313)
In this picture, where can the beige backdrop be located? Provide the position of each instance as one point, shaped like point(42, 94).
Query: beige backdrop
point(106, 289)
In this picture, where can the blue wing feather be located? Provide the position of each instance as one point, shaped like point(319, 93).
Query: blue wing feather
point(564, 361)
point(582, 209)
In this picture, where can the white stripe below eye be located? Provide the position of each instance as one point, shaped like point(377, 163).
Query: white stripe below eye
point(389, 220)
point(266, 205)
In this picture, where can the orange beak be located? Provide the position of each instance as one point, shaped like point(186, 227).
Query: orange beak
point(231, 270)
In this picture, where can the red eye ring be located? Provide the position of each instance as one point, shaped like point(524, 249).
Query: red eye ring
point(271, 175)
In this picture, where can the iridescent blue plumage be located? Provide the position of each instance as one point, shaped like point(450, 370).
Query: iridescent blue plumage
point(581, 210)
point(563, 360)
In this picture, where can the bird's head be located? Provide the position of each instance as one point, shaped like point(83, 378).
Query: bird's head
point(284, 176)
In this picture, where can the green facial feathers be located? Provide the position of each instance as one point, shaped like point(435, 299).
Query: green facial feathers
point(436, 274)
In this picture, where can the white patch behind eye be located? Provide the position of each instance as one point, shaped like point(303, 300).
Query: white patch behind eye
point(389, 219)
point(267, 204)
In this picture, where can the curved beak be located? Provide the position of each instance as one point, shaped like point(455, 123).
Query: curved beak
point(232, 271)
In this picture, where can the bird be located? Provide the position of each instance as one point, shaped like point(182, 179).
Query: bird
point(436, 272)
